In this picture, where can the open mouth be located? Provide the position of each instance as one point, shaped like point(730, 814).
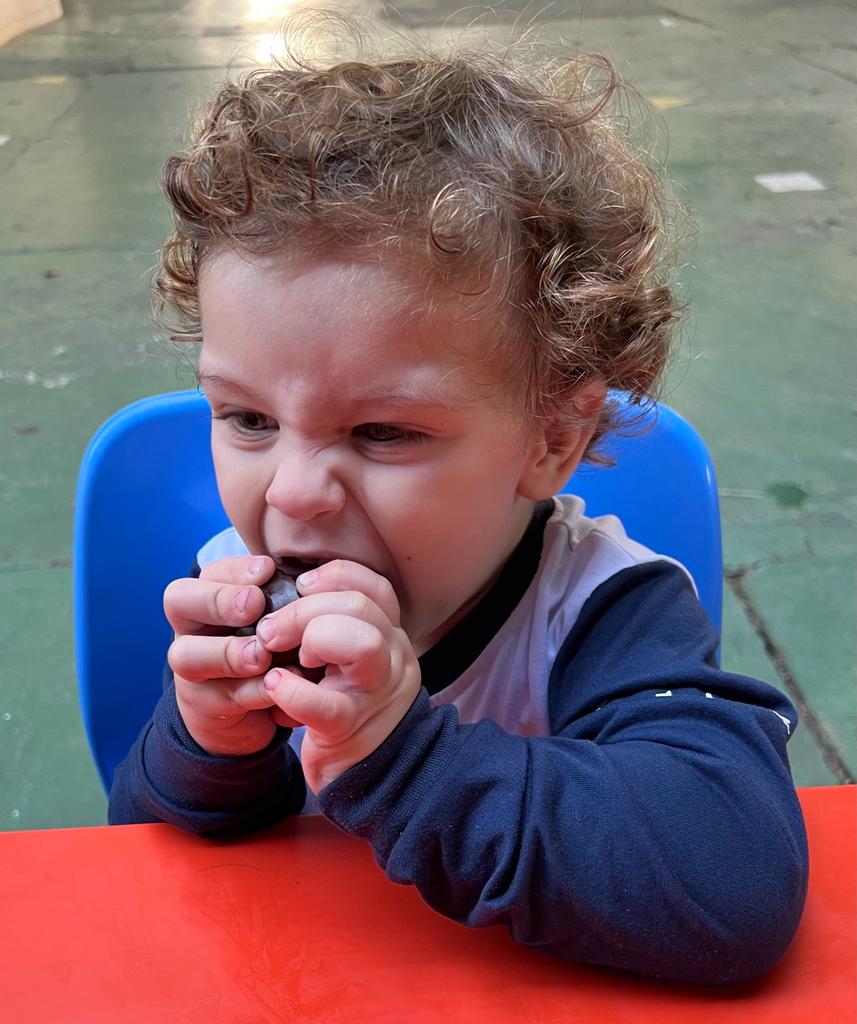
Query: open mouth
point(296, 566)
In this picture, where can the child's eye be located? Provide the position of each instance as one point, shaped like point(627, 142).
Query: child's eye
point(386, 433)
point(247, 422)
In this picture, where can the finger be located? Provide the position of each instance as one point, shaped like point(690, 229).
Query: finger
point(342, 575)
point(329, 711)
point(224, 698)
point(358, 649)
point(201, 658)
point(197, 606)
point(283, 630)
point(240, 570)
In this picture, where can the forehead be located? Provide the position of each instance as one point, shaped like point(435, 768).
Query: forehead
point(340, 309)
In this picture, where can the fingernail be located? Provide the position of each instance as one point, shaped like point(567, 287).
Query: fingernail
point(271, 679)
point(241, 599)
point(306, 579)
point(265, 630)
point(251, 652)
point(256, 566)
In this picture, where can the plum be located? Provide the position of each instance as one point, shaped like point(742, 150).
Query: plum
point(279, 591)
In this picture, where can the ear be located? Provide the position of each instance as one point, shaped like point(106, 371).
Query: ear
point(555, 449)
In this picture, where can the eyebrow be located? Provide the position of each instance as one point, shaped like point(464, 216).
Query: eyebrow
point(204, 380)
point(425, 396)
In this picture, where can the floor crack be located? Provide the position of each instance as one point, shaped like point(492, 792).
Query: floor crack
point(8, 569)
point(801, 57)
point(832, 757)
point(762, 563)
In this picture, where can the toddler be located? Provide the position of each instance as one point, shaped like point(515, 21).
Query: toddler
point(416, 283)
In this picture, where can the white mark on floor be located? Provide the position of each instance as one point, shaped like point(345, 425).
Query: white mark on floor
point(737, 492)
point(793, 181)
point(668, 102)
point(30, 377)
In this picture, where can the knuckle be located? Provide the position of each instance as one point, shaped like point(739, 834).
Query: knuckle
point(357, 604)
point(231, 657)
point(236, 697)
point(290, 616)
point(212, 605)
point(369, 641)
point(220, 605)
point(313, 631)
point(172, 595)
point(234, 663)
point(293, 620)
point(221, 570)
point(336, 569)
point(328, 707)
point(192, 699)
point(176, 655)
point(402, 642)
point(386, 592)
point(215, 572)
point(376, 645)
point(378, 660)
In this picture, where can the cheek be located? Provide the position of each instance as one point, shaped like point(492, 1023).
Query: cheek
point(463, 500)
point(239, 485)
point(447, 535)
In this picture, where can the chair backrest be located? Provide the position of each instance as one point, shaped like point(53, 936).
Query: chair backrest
point(147, 500)
point(664, 489)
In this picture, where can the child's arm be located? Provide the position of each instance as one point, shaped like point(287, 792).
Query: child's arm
point(656, 833)
point(214, 757)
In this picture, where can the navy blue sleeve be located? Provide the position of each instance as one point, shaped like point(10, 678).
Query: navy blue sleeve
point(658, 829)
point(168, 777)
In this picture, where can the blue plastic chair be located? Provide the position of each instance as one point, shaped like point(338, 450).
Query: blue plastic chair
point(147, 500)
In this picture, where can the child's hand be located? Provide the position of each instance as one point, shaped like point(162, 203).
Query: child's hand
point(348, 620)
point(219, 679)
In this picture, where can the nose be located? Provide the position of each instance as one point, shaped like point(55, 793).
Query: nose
point(305, 485)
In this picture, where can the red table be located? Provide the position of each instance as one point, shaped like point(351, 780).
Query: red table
point(145, 923)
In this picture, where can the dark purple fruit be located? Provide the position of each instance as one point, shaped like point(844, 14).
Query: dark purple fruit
point(279, 591)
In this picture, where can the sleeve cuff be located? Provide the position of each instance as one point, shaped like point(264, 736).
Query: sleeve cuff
point(375, 797)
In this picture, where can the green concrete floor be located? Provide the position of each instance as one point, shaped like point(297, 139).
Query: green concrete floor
point(766, 369)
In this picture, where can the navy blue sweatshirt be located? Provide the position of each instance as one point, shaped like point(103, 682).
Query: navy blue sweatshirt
point(650, 824)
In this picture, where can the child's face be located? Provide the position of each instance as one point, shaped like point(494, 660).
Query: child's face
point(346, 425)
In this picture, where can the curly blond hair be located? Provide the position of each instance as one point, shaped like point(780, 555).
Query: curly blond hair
point(508, 184)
